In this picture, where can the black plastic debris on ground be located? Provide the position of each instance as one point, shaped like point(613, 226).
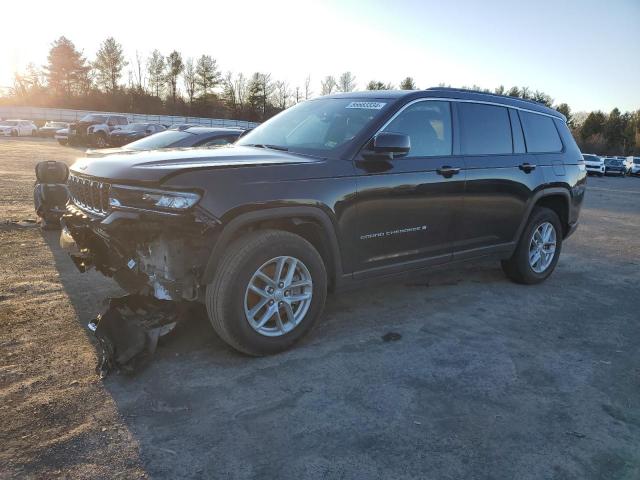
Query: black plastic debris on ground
point(129, 329)
point(391, 337)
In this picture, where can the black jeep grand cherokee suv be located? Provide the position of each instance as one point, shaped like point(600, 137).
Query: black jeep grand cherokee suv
point(331, 192)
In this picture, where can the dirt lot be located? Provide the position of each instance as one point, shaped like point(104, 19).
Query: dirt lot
point(488, 380)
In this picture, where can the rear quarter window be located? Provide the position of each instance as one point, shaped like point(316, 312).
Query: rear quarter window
point(540, 133)
point(484, 129)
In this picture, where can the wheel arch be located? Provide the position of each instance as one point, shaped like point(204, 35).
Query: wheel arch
point(557, 199)
point(311, 223)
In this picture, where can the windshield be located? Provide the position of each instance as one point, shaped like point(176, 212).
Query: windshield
point(636, 160)
point(9, 123)
point(55, 124)
point(316, 126)
point(591, 158)
point(94, 118)
point(612, 161)
point(165, 139)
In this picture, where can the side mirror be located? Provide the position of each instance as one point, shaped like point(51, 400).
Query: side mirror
point(149, 131)
point(390, 144)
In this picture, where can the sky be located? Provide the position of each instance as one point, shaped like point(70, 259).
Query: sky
point(582, 52)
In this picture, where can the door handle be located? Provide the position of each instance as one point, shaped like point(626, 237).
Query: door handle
point(447, 171)
point(527, 167)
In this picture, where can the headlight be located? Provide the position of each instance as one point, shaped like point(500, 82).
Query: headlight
point(151, 199)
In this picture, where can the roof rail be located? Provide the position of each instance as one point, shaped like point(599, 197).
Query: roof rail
point(465, 90)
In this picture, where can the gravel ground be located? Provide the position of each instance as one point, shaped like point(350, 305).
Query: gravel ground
point(484, 379)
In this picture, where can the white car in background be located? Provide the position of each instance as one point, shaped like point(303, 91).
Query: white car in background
point(635, 165)
point(594, 164)
point(17, 128)
point(62, 136)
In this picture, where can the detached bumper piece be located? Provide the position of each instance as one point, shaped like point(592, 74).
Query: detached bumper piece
point(50, 193)
point(129, 329)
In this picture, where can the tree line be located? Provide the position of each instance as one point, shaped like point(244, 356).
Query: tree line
point(173, 85)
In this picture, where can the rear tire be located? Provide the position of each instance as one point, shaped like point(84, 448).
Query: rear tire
point(519, 267)
point(228, 296)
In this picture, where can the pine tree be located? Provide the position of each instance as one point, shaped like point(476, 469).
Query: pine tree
point(66, 68)
point(155, 67)
point(207, 74)
point(175, 66)
point(108, 64)
point(408, 84)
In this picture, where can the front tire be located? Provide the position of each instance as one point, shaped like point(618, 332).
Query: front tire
point(100, 140)
point(267, 293)
point(538, 250)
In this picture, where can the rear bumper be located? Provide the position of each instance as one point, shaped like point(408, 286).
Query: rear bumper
point(595, 168)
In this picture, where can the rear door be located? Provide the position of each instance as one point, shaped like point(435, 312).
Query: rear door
point(501, 178)
point(406, 206)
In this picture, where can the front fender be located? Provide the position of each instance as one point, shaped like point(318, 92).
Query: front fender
point(231, 227)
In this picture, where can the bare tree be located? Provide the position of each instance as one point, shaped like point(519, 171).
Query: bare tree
point(235, 91)
point(307, 88)
point(155, 68)
point(347, 82)
point(281, 94)
point(189, 80)
point(139, 75)
point(328, 85)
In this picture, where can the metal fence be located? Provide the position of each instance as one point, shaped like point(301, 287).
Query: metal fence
point(67, 115)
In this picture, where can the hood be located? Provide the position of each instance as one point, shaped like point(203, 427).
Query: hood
point(155, 165)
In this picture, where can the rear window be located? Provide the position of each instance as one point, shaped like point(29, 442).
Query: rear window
point(485, 129)
point(540, 133)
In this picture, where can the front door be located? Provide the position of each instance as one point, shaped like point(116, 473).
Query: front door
point(406, 206)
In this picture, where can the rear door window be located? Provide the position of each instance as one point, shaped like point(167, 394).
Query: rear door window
point(485, 129)
point(540, 133)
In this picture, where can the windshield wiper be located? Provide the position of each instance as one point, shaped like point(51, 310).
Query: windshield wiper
point(270, 147)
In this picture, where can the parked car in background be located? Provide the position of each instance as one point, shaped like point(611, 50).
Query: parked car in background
point(62, 136)
point(17, 128)
point(594, 164)
point(50, 128)
point(635, 167)
point(132, 132)
point(191, 137)
point(614, 166)
point(183, 126)
point(95, 129)
point(628, 163)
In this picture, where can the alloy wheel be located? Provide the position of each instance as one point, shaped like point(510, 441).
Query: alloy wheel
point(278, 296)
point(542, 247)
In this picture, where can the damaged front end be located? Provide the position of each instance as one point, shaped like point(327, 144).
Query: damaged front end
point(151, 242)
point(155, 244)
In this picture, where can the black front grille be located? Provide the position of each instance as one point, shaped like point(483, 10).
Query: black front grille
point(89, 195)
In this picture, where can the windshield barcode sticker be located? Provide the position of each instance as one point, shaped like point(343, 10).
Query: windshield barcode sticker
point(367, 105)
